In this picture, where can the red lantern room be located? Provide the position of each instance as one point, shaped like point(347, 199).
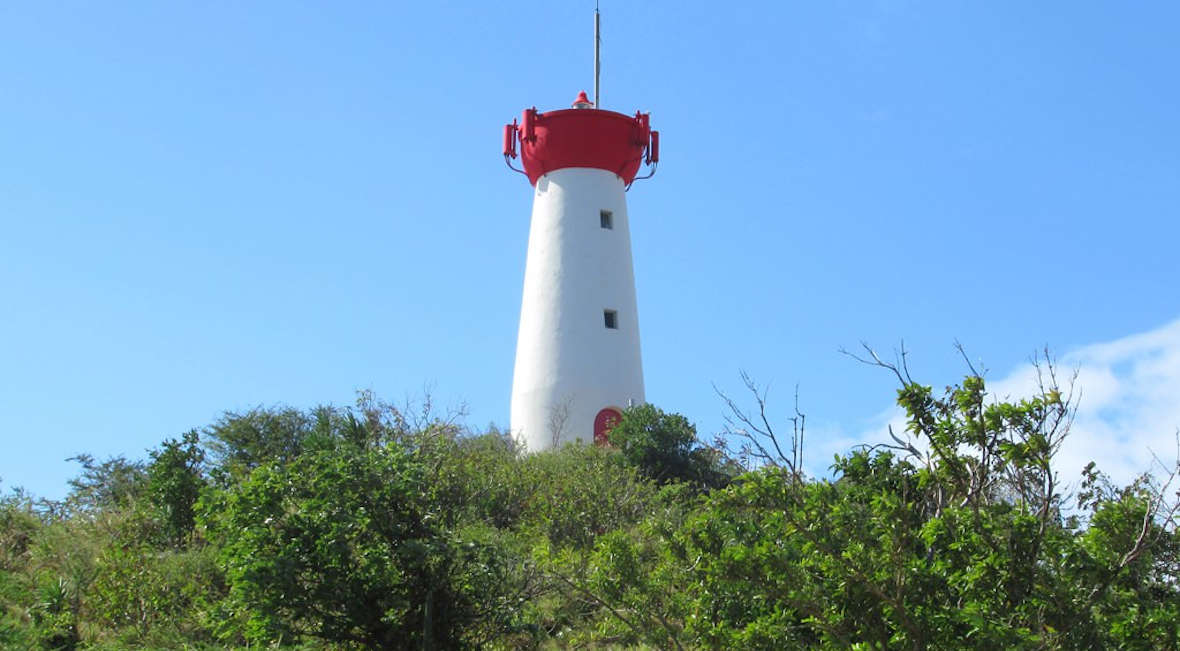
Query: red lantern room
point(582, 136)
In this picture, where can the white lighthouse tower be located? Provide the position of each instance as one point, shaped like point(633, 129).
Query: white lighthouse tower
point(578, 361)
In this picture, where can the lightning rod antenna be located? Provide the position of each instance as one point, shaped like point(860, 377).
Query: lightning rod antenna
point(597, 59)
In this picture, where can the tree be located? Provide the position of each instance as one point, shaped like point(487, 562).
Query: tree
point(240, 442)
point(665, 447)
point(115, 482)
point(340, 544)
point(952, 536)
point(174, 482)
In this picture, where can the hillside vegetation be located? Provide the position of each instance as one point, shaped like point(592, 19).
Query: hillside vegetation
point(377, 527)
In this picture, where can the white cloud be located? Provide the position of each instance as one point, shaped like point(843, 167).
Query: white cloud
point(1129, 405)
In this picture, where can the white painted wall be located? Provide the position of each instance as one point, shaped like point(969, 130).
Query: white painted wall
point(568, 364)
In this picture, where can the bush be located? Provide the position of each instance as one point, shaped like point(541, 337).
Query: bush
point(665, 447)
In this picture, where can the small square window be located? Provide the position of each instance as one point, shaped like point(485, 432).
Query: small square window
point(607, 219)
point(611, 318)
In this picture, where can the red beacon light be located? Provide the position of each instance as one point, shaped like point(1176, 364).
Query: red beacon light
point(583, 102)
point(576, 137)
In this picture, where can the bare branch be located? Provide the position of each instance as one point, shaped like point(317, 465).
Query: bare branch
point(759, 441)
point(899, 367)
point(967, 360)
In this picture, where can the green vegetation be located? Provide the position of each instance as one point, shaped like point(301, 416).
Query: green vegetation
point(377, 527)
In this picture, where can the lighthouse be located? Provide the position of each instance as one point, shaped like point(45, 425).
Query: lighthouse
point(578, 362)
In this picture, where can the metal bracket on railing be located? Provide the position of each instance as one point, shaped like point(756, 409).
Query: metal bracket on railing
point(511, 133)
point(514, 169)
point(651, 157)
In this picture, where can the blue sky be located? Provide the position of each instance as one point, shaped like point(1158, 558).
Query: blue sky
point(214, 206)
